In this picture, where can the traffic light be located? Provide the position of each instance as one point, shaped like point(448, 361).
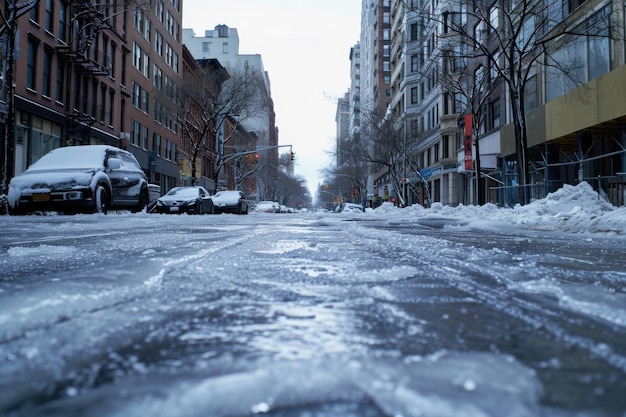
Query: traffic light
point(292, 155)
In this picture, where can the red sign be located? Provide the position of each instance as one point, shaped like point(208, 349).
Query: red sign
point(469, 163)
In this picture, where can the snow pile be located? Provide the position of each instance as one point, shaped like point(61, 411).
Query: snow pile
point(577, 209)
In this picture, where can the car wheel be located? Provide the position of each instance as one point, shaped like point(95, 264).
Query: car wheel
point(143, 201)
point(101, 199)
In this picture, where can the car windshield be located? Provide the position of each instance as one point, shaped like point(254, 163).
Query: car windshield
point(72, 157)
point(184, 192)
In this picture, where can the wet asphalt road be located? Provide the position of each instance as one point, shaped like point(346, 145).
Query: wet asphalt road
point(316, 315)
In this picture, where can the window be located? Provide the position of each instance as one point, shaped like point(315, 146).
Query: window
point(135, 129)
point(445, 147)
point(414, 98)
point(136, 95)
point(598, 45)
point(111, 108)
point(112, 49)
point(156, 143)
point(31, 66)
point(158, 42)
point(145, 101)
point(169, 150)
point(144, 137)
point(530, 93)
point(225, 48)
point(105, 51)
point(413, 31)
point(60, 86)
point(171, 25)
point(63, 21)
point(34, 13)
point(94, 102)
point(103, 102)
point(46, 79)
point(157, 75)
point(495, 114)
point(414, 63)
point(137, 56)
point(494, 17)
point(160, 6)
point(49, 15)
point(145, 68)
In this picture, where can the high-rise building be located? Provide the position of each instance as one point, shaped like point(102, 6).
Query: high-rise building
point(222, 44)
point(154, 65)
point(460, 102)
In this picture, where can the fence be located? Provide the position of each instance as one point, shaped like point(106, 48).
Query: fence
point(509, 195)
point(613, 188)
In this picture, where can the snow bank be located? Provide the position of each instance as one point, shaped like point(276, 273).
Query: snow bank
point(577, 209)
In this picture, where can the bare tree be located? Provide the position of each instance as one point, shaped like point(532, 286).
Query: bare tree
point(210, 107)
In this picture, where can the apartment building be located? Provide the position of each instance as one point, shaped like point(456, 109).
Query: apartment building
point(68, 78)
point(222, 44)
point(448, 63)
point(375, 82)
point(153, 58)
point(95, 73)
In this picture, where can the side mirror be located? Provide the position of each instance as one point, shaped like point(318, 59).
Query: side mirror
point(114, 163)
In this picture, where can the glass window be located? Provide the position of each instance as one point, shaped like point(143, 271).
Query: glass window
point(46, 79)
point(60, 87)
point(31, 66)
point(49, 15)
point(63, 21)
point(111, 108)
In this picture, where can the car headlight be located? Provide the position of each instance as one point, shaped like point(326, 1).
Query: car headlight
point(191, 202)
point(159, 203)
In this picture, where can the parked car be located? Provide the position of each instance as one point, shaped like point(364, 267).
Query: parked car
point(186, 199)
point(230, 202)
point(74, 179)
point(350, 207)
point(266, 207)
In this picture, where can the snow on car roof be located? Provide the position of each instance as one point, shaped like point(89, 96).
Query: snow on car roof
point(192, 191)
point(226, 196)
point(79, 157)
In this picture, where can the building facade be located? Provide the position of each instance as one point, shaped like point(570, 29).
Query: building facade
point(460, 109)
point(93, 73)
point(222, 43)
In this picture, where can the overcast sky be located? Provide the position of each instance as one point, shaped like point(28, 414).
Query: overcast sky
point(305, 46)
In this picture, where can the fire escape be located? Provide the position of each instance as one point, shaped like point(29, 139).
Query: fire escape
point(87, 19)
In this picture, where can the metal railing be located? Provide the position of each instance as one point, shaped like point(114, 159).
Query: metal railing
point(612, 188)
point(508, 196)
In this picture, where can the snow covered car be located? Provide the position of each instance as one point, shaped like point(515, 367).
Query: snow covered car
point(185, 199)
point(266, 207)
point(230, 202)
point(74, 179)
point(350, 208)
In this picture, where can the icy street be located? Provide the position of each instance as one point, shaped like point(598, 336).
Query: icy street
point(308, 315)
